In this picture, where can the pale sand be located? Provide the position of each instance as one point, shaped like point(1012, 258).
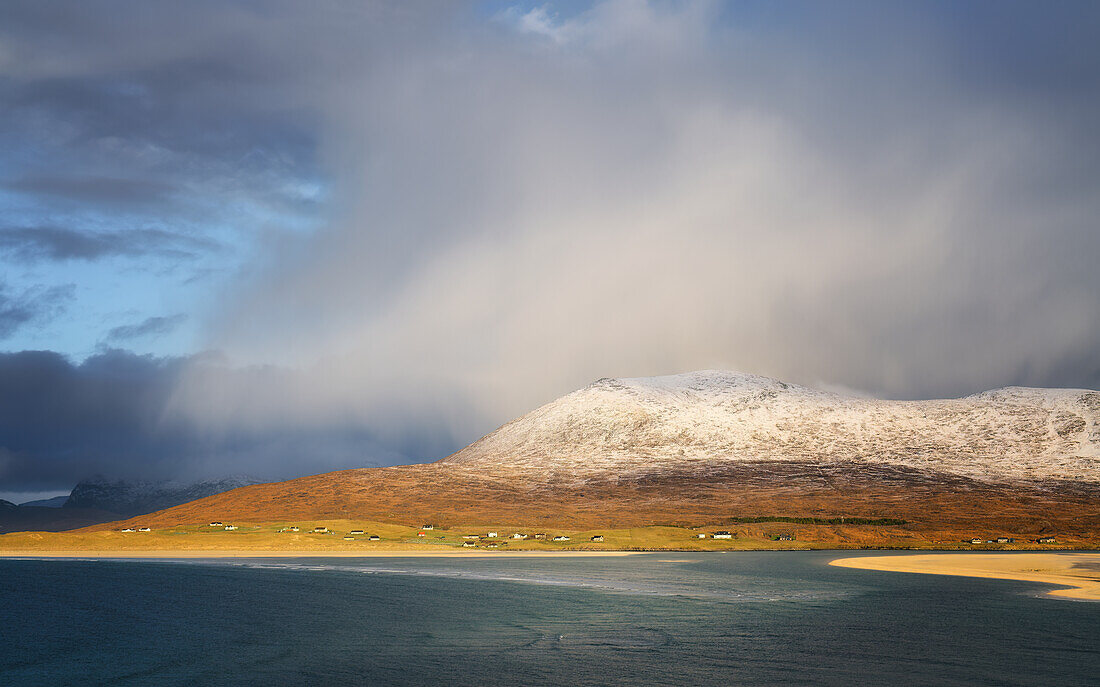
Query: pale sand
point(311, 554)
point(1079, 571)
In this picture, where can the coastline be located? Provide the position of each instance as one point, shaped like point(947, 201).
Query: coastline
point(244, 553)
point(1079, 572)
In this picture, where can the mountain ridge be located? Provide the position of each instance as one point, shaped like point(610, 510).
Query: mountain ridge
point(714, 447)
point(98, 500)
point(632, 425)
point(130, 498)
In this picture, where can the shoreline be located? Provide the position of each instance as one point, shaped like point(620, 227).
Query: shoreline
point(1079, 573)
point(243, 553)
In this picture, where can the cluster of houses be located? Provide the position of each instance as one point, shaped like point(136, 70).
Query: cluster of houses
point(491, 539)
point(725, 534)
point(1010, 540)
point(518, 536)
point(998, 540)
point(350, 536)
point(291, 528)
point(138, 529)
point(354, 533)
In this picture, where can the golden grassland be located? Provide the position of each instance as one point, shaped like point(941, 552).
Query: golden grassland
point(266, 538)
point(1080, 572)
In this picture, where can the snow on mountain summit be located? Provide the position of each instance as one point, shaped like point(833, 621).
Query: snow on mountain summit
point(699, 421)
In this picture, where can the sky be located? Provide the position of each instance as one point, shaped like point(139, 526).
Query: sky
point(282, 238)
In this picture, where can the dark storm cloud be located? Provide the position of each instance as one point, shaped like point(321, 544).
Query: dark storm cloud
point(133, 113)
point(60, 422)
point(900, 198)
point(152, 326)
point(93, 189)
point(34, 305)
point(60, 243)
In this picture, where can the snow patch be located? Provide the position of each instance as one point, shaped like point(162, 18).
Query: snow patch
point(708, 418)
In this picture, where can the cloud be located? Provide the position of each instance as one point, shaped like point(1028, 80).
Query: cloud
point(32, 306)
point(895, 198)
point(103, 189)
point(854, 196)
point(540, 21)
point(61, 422)
point(61, 243)
point(151, 326)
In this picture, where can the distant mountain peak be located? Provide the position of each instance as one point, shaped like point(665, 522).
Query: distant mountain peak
point(138, 497)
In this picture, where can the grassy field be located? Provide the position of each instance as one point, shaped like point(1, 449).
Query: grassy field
point(270, 537)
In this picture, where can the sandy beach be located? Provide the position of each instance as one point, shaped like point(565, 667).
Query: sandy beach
point(1080, 572)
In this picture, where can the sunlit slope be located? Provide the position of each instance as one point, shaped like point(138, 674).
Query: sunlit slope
point(708, 419)
point(700, 448)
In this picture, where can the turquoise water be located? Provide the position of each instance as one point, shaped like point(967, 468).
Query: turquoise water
point(767, 618)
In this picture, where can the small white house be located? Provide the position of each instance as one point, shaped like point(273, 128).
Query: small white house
point(519, 535)
point(468, 544)
point(127, 529)
point(144, 529)
point(722, 535)
point(596, 537)
point(230, 527)
point(374, 537)
point(428, 527)
point(561, 537)
point(349, 538)
point(702, 535)
point(356, 532)
point(215, 524)
point(320, 530)
point(492, 535)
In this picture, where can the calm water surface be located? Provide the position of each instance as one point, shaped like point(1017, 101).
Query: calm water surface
point(768, 618)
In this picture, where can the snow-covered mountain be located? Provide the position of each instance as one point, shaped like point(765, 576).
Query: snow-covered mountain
point(135, 498)
point(708, 447)
point(702, 421)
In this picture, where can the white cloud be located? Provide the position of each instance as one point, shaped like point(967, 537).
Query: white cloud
point(659, 189)
point(538, 21)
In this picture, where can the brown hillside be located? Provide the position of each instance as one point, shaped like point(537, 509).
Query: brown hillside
point(704, 447)
point(937, 508)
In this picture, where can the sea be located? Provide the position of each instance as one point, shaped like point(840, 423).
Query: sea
point(738, 618)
